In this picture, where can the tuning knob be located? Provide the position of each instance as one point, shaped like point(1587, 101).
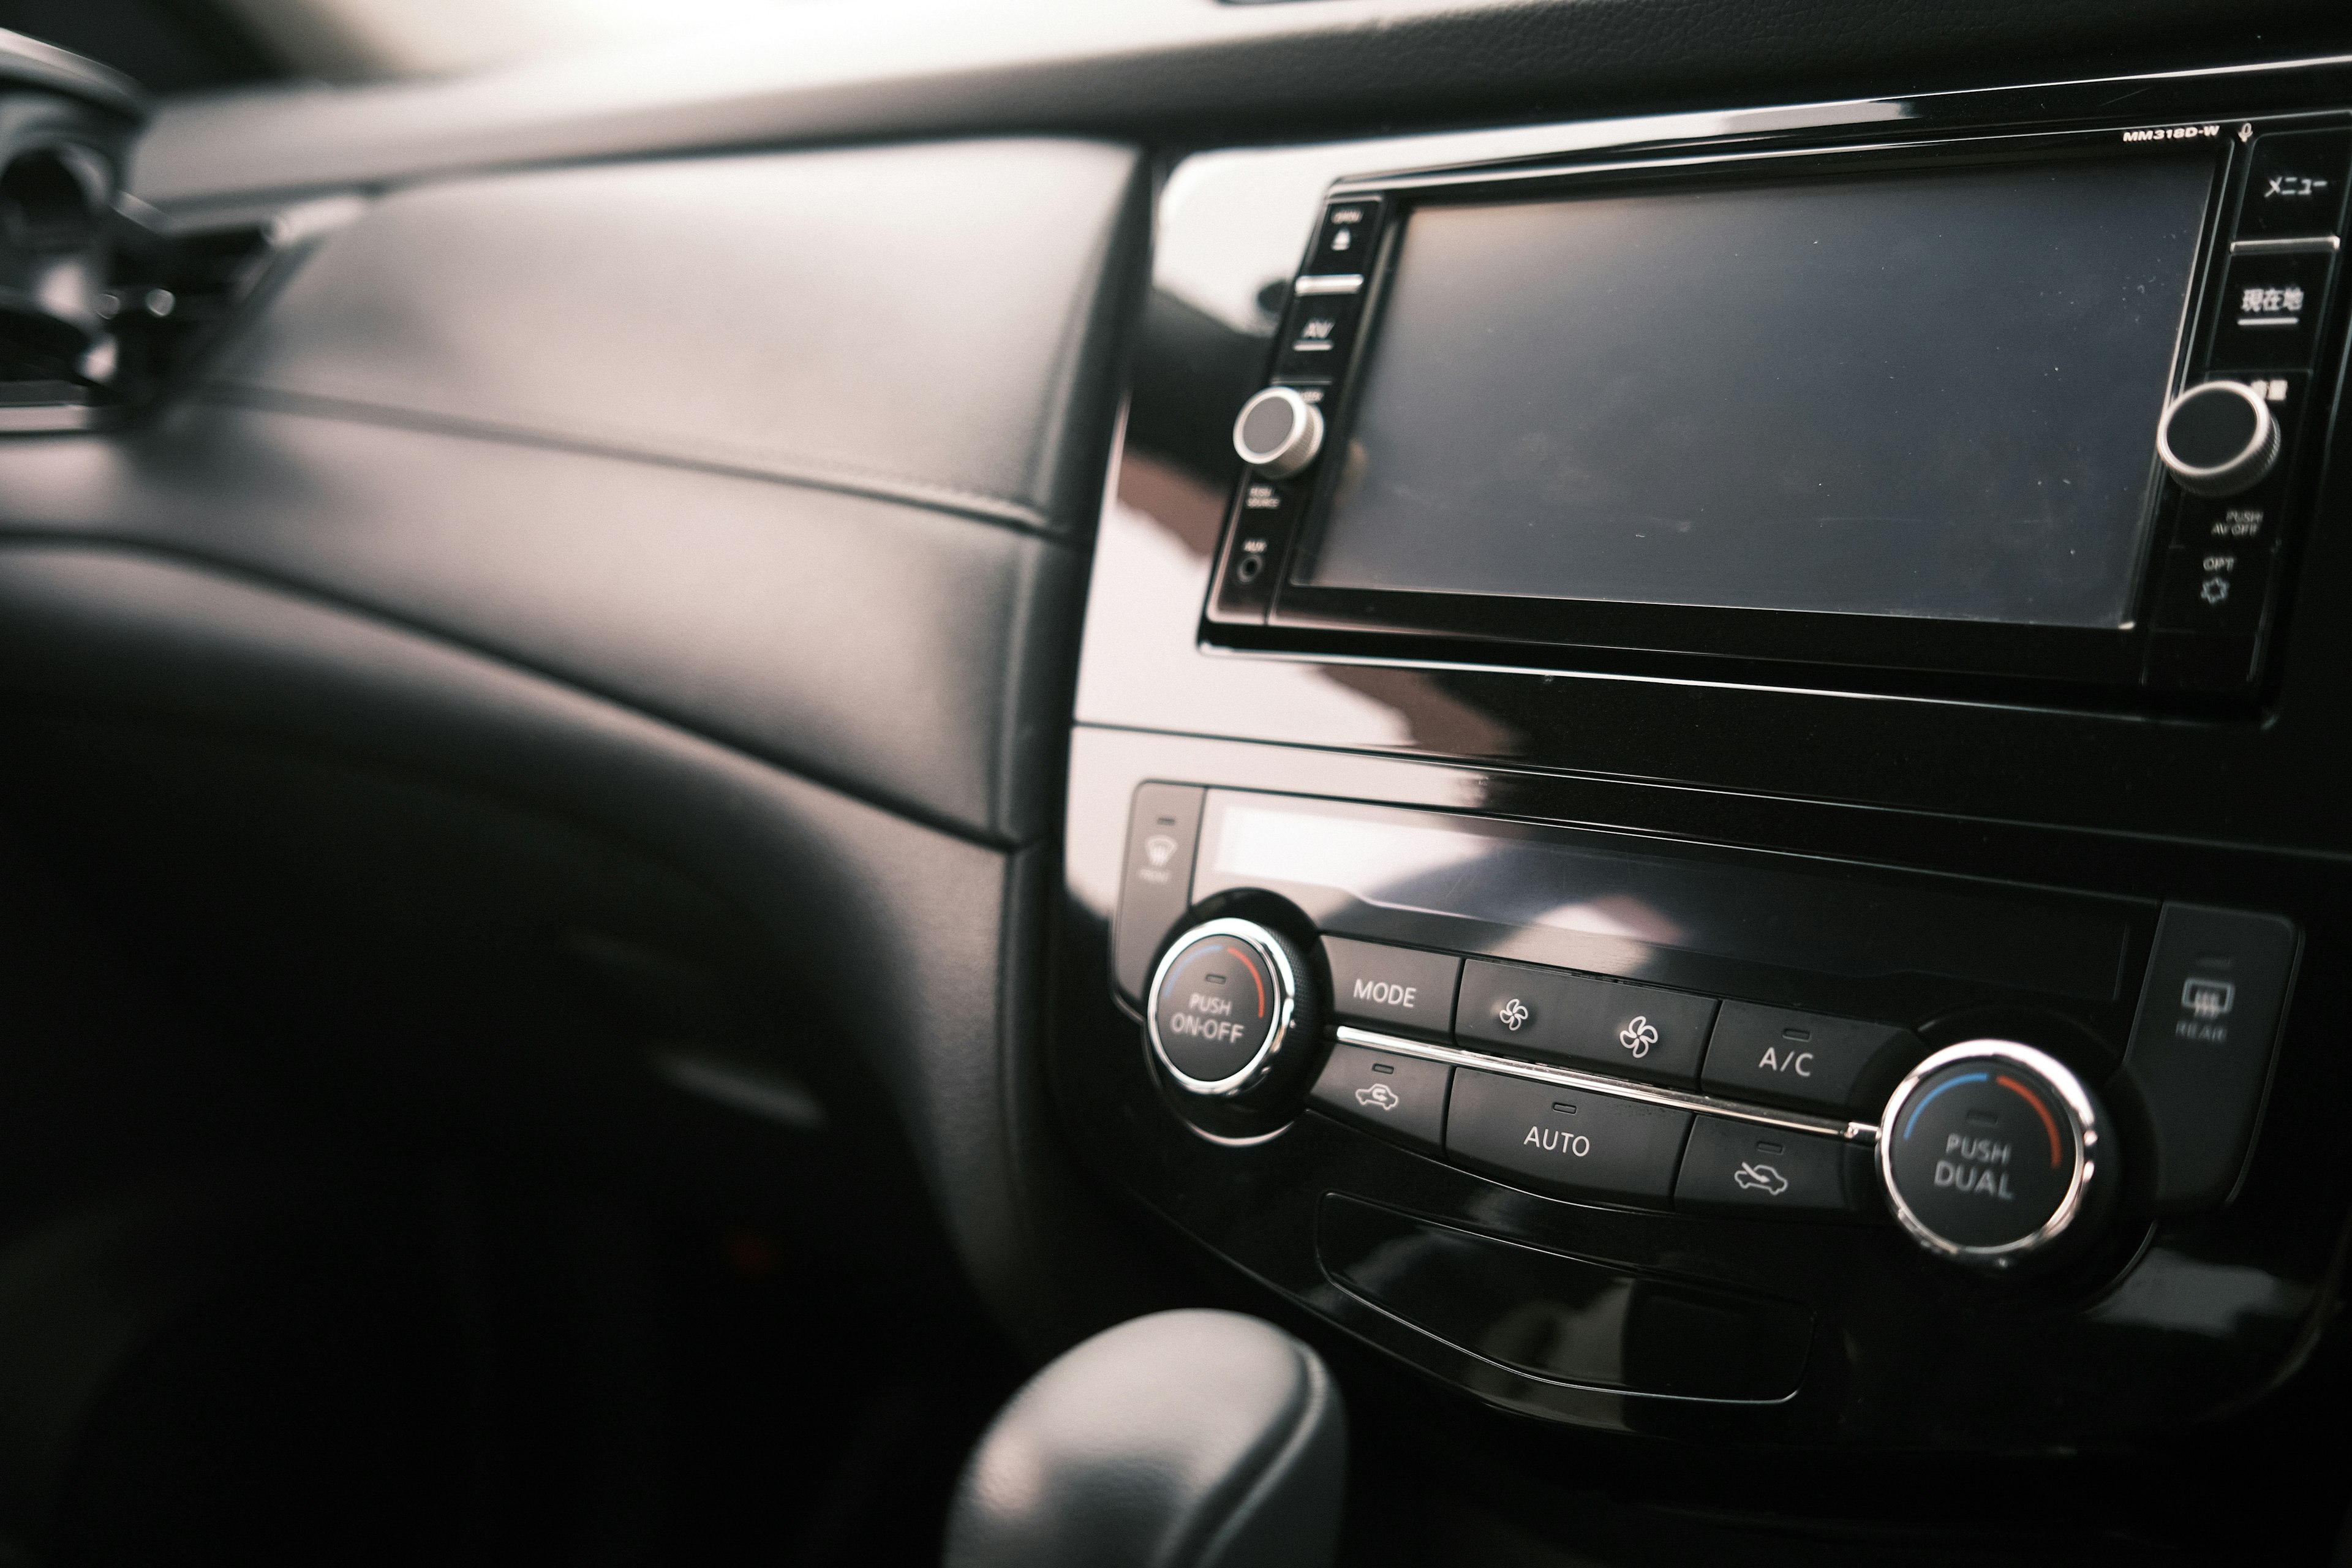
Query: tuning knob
point(1991, 1152)
point(1279, 432)
point(2218, 439)
point(1232, 1018)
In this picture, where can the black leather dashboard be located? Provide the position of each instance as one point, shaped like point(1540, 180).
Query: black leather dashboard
point(711, 468)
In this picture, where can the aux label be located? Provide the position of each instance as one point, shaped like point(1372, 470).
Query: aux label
point(1555, 1142)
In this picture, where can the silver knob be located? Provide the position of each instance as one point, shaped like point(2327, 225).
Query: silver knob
point(1225, 1007)
point(2218, 439)
point(1991, 1150)
point(1279, 432)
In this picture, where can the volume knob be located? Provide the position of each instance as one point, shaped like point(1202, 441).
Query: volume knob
point(1991, 1151)
point(2218, 439)
point(1278, 433)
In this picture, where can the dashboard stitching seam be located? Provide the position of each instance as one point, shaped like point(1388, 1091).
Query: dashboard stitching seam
point(735, 461)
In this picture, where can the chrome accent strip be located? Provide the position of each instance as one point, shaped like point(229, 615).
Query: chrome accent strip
point(2314, 242)
point(1328, 283)
point(1861, 1133)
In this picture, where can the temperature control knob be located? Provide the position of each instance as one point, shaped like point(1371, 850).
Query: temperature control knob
point(1279, 432)
point(1991, 1152)
point(2218, 439)
point(1227, 1017)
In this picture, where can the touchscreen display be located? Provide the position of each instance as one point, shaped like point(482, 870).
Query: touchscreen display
point(1900, 395)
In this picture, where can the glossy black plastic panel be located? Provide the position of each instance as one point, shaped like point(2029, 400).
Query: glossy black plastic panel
point(1564, 1318)
point(1682, 916)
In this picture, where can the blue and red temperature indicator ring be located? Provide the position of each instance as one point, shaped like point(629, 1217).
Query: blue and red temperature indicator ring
point(1991, 1151)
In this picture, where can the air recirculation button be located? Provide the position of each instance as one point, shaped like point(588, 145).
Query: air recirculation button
point(1991, 1151)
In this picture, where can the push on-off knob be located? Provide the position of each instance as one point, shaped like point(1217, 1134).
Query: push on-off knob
point(1991, 1152)
point(1226, 1013)
point(2218, 439)
point(1279, 433)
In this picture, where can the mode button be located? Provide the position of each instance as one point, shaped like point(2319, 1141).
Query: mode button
point(1401, 989)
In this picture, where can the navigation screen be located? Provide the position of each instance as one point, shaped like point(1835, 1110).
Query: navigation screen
point(1902, 395)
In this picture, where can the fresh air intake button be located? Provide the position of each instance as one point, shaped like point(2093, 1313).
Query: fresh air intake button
point(1399, 988)
point(1571, 1142)
point(2295, 184)
point(2200, 1048)
point(1798, 1058)
point(1612, 1025)
point(1397, 1097)
point(1762, 1173)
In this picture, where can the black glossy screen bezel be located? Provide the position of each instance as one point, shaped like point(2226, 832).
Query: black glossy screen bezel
point(1895, 652)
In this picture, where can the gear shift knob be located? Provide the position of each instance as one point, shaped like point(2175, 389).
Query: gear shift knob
point(1188, 1439)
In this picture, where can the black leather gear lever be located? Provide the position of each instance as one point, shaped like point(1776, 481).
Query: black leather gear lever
point(1188, 1439)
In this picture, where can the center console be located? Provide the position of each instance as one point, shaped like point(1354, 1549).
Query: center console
point(1704, 802)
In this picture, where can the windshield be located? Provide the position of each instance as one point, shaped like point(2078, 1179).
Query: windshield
point(180, 46)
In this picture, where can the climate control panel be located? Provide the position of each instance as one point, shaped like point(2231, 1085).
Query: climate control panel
point(1611, 1118)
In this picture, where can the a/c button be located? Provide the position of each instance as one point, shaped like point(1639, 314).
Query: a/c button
point(1803, 1058)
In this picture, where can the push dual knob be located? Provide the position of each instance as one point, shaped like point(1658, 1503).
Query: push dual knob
point(1230, 1019)
point(1992, 1153)
point(2218, 439)
point(1279, 432)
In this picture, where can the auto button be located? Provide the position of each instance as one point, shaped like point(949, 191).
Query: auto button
point(1571, 1142)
